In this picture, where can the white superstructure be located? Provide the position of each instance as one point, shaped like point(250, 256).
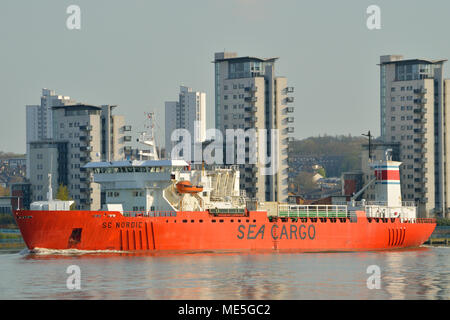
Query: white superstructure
point(151, 185)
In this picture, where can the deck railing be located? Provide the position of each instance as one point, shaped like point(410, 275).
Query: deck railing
point(313, 211)
point(149, 213)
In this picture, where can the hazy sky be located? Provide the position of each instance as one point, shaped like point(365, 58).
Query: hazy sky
point(136, 54)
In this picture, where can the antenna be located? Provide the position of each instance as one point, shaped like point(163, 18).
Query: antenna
point(370, 144)
point(148, 138)
point(50, 190)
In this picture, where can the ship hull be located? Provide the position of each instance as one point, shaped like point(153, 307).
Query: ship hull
point(191, 231)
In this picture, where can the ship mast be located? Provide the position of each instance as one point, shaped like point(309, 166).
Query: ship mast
point(370, 144)
point(147, 138)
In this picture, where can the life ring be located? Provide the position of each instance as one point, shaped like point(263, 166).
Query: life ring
point(396, 215)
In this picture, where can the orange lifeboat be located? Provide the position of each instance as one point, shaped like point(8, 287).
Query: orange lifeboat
point(187, 187)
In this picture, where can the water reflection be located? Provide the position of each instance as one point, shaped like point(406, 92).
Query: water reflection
point(406, 274)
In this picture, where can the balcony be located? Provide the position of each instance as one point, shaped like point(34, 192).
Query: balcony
point(420, 101)
point(420, 120)
point(290, 130)
point(420, 160)
point(126, 128)
point(289, 99)
point(127, 138)
point(251, 109)
point(420, 131)
point(419, 140)
point(289, 89)
point(87, 149)
point(86, 138)
point(420, 91)
point(289, 109)
point(251, 99)
point(127, 149)
point(251, 180)
point(420, 110)
point(290, 119)
point(251, 119)
point(86, 128)
point(251, 89)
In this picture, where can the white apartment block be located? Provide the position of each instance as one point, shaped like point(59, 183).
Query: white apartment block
point(39, 123)
point(189, 113)
point(81, 133)
point(413, 103)
point(248, 95)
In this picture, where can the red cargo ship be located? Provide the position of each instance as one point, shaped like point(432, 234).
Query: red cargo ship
point(144, 210)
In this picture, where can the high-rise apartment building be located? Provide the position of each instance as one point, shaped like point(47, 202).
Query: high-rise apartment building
point(413, 102)
point(248, 95)
point(189, 113)
point(39, 119)
point(81, 133)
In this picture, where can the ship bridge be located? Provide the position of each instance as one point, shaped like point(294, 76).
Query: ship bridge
point(151, 185)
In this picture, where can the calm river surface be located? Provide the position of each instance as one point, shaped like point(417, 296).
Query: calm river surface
point(421, 273)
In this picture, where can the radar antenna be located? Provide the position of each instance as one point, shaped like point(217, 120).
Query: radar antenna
point(147, 138)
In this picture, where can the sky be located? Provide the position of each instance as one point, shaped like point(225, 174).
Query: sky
point(136, 54)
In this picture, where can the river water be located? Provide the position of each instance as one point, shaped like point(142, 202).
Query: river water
point(421, 273)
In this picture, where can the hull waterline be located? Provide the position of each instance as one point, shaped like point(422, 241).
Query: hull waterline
point(191, 231)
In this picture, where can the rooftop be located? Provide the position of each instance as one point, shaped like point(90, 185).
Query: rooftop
point(390, 59)
point(232, 56)
point(78, 107)
point(136, 163)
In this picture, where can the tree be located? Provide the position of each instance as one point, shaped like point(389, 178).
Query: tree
point(305, 181)
point(322, 172)
point(63, 194)
point(4, 192)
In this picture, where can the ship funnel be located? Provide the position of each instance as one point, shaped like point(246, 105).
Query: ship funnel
point(387, 182)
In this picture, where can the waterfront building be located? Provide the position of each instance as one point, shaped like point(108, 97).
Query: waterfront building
point(39, 119)
point(81, 133)
point(189, 113)
point(249, 95)
point(413, 102)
